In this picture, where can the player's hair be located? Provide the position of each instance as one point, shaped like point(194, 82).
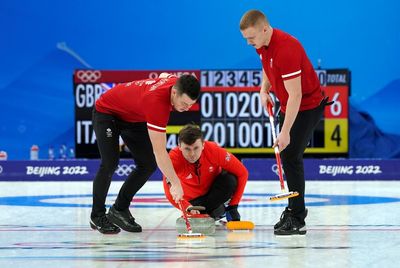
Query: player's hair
point(189, 85)
point(189, 134)
point(252, 18)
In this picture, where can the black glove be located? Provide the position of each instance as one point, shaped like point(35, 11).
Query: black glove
point(326, 101)
point(232, 213)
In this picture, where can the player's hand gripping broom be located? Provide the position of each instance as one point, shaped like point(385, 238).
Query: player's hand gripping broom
point(284, 194)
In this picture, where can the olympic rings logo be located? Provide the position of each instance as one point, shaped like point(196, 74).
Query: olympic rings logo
point(124, 170)
point(274, 169)
point(88, 75)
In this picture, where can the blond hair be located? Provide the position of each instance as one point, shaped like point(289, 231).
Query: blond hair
point(252, 18)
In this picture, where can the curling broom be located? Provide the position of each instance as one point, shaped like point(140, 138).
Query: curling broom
point(284, 193)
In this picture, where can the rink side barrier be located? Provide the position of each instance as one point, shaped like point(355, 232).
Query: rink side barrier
point(259, 169)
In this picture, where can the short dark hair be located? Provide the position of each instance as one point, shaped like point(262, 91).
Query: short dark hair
point(189, 85)
point(189, 134)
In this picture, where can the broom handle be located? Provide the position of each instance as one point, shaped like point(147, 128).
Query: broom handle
point(188, 227)
point(276, 149)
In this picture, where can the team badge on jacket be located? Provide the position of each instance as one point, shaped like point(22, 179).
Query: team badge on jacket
point(108, 133)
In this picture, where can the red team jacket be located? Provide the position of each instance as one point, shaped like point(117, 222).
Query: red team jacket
point(140, 101)
point(196, 181)
point(285, 59)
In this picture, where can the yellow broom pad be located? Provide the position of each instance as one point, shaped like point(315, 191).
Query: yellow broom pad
point(283, 196)
point(239, 225)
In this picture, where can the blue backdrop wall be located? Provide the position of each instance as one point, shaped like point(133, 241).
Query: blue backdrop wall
point(42, 42)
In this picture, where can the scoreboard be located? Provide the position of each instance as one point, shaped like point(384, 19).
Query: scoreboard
point(229, 110)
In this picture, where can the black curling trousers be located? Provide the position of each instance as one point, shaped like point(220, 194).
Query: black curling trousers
point(292, 156)
point(222, 189)
point(135, 135)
